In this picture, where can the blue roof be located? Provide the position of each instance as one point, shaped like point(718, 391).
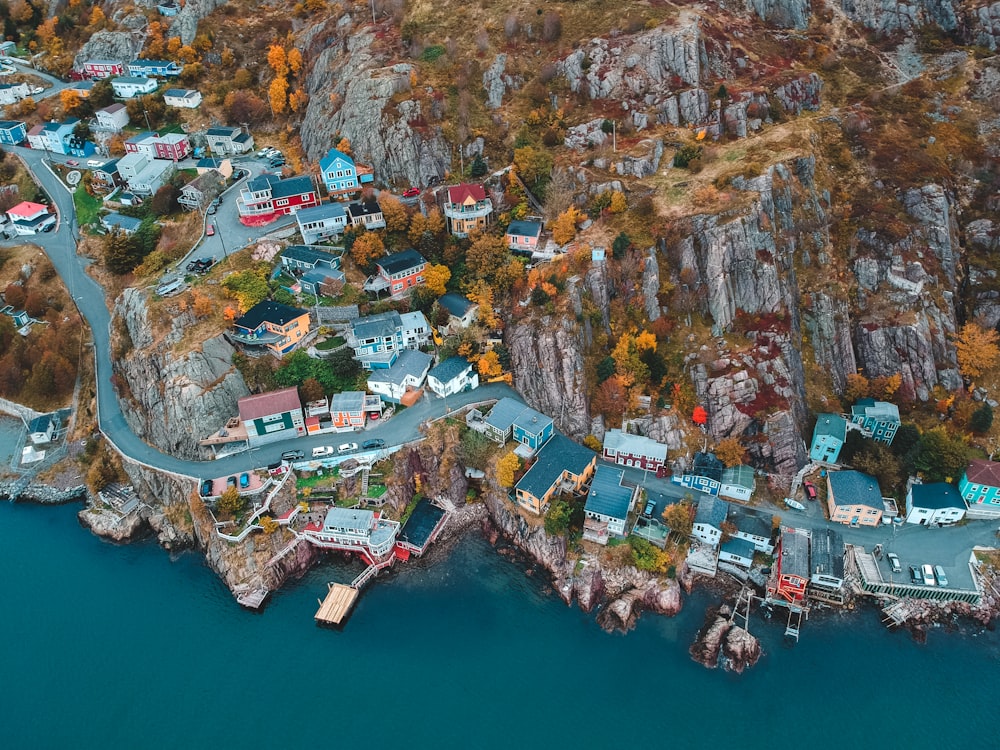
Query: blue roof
point(125, 223)
point(450, 369)
point(305, 254)
point(209, 162)
point(525, 228)
point(869, 408)
point(559, 454)
point(532, 421)
point(332, 156)
point(740, 547)
point(751, 522)
point(855, 488)
point(10, 124)
point(833, 425)
point(410, 362)
point(935, 496)
point(40, 424)
point(607, 495)
point(503, 413)
point(711, 511)
point(456, 304)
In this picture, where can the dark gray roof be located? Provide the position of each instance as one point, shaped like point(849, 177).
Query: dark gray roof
point(403, 261)
point(380, 325)
point(711, 511)
point(557, 455)
point(456, 304)
point(364, 209)
point(304, 254)
point(450, 368)
point(292, 186)
point(503, 413)
point(40, 423)
point(794, 552)
point(751, 522)
point(936, 496)
point(828, 553)
point(525, 228)
point(223, 131)
point(739, 547)
point(410, 362)
point(607, 495)
point(270, 312)
point(855, 488)
point(707, 465)
point(318, 213)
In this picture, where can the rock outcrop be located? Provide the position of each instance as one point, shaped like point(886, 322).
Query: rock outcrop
point(722, 642)
point(786, 14)
point(185, 23)
point(107, 45)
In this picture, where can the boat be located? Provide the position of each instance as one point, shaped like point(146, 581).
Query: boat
point(794, 504)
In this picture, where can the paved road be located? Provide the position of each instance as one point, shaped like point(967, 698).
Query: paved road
point(55, 85)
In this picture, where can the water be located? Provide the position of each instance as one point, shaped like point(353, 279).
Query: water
point(107, 646)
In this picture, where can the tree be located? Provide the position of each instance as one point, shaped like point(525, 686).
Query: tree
point(201, 304)
point(294, 58)
point(394, 213)
point(938, 456)
point(35, 304)
point(164, 200)
point(731, 452)
point(605, 369)
point(679, 517)
point(982, 419)
point(977, 350)
point(344, 146)
point(278, 60)
point(247, 287)
point(489, 365)
point(534, 166)
point(564, 228)
point(311, 390)
point(231, 503)
point(278, 94)
point(557, 518)
point(367, 248)
point(69, 99)
point(244, 106)
point(14, 295)
point(877, 460)
point(507, 466)
point(436, 278)
point(618, 202)
point(699, 416)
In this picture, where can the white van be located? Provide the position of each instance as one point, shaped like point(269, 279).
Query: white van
point(928, 573)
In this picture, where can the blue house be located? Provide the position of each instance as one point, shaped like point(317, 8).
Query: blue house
point(980, 488)
point(531, 428)
point(339, 173)
point(378, 339)
point(153, 68)
point(880, 418)
point(705, 474)
point(12, 132)
point(828, 438)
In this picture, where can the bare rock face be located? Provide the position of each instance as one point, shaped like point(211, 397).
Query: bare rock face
point(740, 649)
point(828, 320)
point(644, 162)
point(185, 23)
point(707, 645)
point(108, 45)
point(785, 14)
point(109, 525)
point(800, 93)
point(496, 82)
point(663, 428)
point(548, 551)
point(651, 285)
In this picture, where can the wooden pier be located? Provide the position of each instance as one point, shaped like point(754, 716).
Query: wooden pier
point(338, 603)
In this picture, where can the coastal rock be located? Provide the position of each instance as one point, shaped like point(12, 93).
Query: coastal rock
point(740, 649)
point(644, 162)
point(707, 645)
point(109, 525)
point(828, 320)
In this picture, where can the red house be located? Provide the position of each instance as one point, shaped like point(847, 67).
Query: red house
point(103, 68)
point(173, 146)
point(634, 450)
point(266, 197)
point(397, 272)
point(790, 572)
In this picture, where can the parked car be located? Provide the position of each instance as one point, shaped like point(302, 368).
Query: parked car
point(894, 562)
point(347, 447)
point(211, 211)
point(411, 192)
point(201, 265)
point(231, 482)
point(915, 576)
point(192, 265)
point(210, 230)
point(942, 579)
point(94, 162)
point(244, 480)
point(322, 450)
point(373, 444)
point(810, 489)
point(73, 162)
point(292, 455)
point(206, 487)
point(928, 573)
point(650, 508)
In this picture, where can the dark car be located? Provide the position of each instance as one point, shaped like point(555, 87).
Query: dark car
point(231, 482)
point(649, 509)
point(202, 265)
point(193, 265)
point(244, 480)
point(373, 444)
point(206, 487)
point(211, 210)
point(915, 575)
point(810, 489)
point(292, 455)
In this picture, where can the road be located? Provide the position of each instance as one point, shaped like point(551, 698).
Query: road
point(60, 246)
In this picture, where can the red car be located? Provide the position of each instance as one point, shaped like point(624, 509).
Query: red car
point(210, 230)
point(810, 489)
point(411, 192)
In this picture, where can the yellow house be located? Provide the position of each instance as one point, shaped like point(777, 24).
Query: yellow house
point(272, 326)
point(467, 209)
point(560, 466)
point(854, 498)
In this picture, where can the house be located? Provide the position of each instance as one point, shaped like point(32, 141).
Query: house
point(42, 429)
point(312, 268)
point(708, 520)
point(11, 93)
point(854, 498)
point(127, 87)
point(321, 222)
point(150, 178)
point(367, 215)
point(499, 423)
point(267, 196)
point(182, 98)
point(790, 572)
point(980, 488)
point(168, 8)
point(523, 236)
point(153, 68)
point(103, 68)
point(828, 438)
point(225, 141)
point(114, 117)
point(608, 504)
point(81, 88)
point(705, 474)
point(272, 327)
point(37, 137)
point(454, 375)
point(53, 136)
point(560, 466)
point(105, 178)
point(173, 146)
point(467, 208)
point(349, 409)
point(7, 48)
point(737, 551)
point(400, 383)
point(12, 133)
point(531, 428)
point(214, 164)
point(378, 339)
point(30, 218)
point(120, 222)
point(752, 527)
point(270, 417)
point(338, 173)
point(354, 529)
point(826, 559)
point(202, 190)
point(633, 450)
point(461, 310)
point(737, 483)
point(934, 503)
point(397, 272)
point(878, 418)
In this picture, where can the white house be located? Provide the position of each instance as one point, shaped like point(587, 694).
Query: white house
point(151, 178)
point(754, 528)
point(462, 311)
point(11, 93)
point(454, 375)
point(608, 504)
point(224, 140)
point(113, 117)
point(184, 98)
point(321, 222)
point(132, 163)
point(738, 552)
point(126, 87)
point(737, 483)
point(935, 503)
point(708, 520)
point(407, 375)
point(30, 218)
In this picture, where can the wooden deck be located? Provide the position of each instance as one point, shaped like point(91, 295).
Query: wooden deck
point(334, 609)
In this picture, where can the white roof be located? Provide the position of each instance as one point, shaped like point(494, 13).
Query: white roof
point(637, 445)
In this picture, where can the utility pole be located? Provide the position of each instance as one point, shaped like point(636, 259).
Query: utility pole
point(614, 136)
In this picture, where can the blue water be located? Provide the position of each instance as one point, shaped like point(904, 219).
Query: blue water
point(122, 647)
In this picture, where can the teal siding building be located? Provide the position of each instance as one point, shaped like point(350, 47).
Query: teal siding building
point(828, 438)
point(980, 487)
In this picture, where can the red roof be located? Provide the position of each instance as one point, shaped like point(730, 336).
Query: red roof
point(266, 404)
point(27, 209)
point(461, 193)
point(984, 472)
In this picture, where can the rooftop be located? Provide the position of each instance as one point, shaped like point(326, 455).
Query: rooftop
point(305, 254)
point(223, 131)
point(370, 208)
point(559, 454)
point(125, 223)
point(113, 108)
point(27, 209)
point(741, 476)
point(331, 156)
point(349, 401)
point(980, 471)
point(739, 547)
point(794, 553)
point(827, 553)
point(869, 408)
point(380, 325)
point(707, 465)
point(456, 304)
point(285, 188)
point(402, 261)
point(503, 413)
point(449, 369)
point(410, 362)
point(351, 519)
point(269, 311)
point(525, 228)
point(40, 423)
point(532, 421)
point(607, 495)
point(936, 496)
point(711, 511)
point(833, 425)
point(636, 445)
point(750, 522)
point(137, 80)
point(319, 213)
point(855, 488)
point(266, 404)
point(462, 193)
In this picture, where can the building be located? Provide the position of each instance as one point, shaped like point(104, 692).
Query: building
point(462, 311)
point(119, 222)
point(934, 503)
point(467, 209)
point(321, 222)
point(708, 520)
point(172, 146)
point(401, 383)
point(182, 98)
point(499, 423)
point(790, 572)
point(980, 488)
point(150, 178)
point(53, 136)
point(8, 48)
point(114, 117)
point(168, 8)
point(214, 164)
point(12, 133)
point(338, 173)
point(753, 527)
point(737, 552)
point(738, 483)
point(153, 69)
point(828, 438)
point(30, 218)
point(608, 504)
point(878, 418)
point(42, 429)
point(141, 143)
point(350, 408)
point(397, 272)
point(11, 93)
point(560, 466)
point(826, 559)
point(103, 68)
point(127, 87)
point(523, 236)
point(378, 339)
point(367, 215)
point(854, 498)
point(313, 269)
point(105, 178)
point(202, 190)
point(531, 428)
point(274, 416)
point(349, 529)
point(81, 88)
point(270, 326)
point(705, 474)
point(634, 450)
point(267, 196)
point(226, 141)
point(454, 375)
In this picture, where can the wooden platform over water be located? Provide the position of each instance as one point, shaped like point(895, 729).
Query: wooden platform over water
point(334, 609)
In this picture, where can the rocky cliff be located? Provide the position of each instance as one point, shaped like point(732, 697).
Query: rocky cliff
point(722, 642)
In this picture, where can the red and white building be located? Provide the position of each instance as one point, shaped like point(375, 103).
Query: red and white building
point(30, 218)
point(268, 196)
point(397, 272)
point(790, 571)
point(103, 68)
point(634, 450)
point(351, 408)
point(172, 146)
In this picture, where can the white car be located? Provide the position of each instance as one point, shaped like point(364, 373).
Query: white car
point(94, 162)
point(347, 448)
point(322, 450)
point(928, 573)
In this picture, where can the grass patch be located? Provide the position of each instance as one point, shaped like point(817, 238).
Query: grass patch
point(88, 208)
point(331, 343)
point(376, 491)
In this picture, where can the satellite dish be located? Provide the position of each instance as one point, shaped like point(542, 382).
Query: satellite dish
point(73, 178)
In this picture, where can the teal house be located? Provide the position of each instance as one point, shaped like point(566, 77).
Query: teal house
point(532, 428)
point(980, 488)
point(339, 173)
point(828, 438)
point(880, 418)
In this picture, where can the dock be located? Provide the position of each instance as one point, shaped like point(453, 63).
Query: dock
point(338, 603)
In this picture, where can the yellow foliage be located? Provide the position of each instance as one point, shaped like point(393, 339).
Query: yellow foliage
point(436, 278)
point(294, 60)
point(489, 365)
point(731, 452)
point(367, 248)
point(344, 146)
point(278, 94)
point(278, 60)
point(173, 44)
point(564, 227)
point(507, 467)
point(977, 350)
point(645, 340)
point(618, 202)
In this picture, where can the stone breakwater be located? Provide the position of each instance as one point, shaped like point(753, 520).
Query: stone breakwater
point(20, 491)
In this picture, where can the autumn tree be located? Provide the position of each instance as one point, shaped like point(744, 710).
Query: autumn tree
point(70, 101)
point(482, 295)
point(367, 248)
point(564, 227)
point(201, 304)
point(856, 387)
point(97, 19)
point(244, 106)
point(436, 278)
point(311, 390)
point(278, 60)
point(618, 202)
point(489, 365)
point(679, 517)
point(231, 503)
point(344, 146)
point(277, 94)
point(731, 452)
point(294, 58)
point(247, 287)
point(977, 350)
point(507, 467)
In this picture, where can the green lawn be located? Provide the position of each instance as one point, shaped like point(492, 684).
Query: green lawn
point(331, 343)
point(88, 208)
